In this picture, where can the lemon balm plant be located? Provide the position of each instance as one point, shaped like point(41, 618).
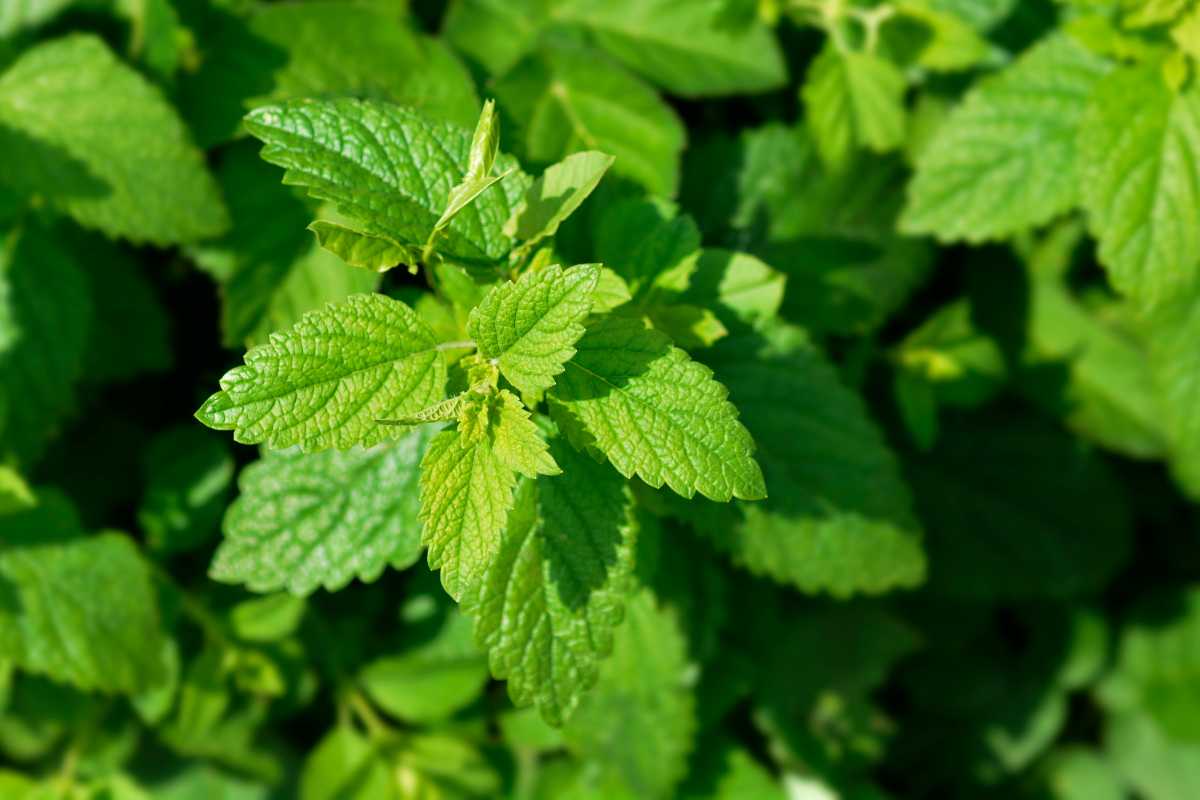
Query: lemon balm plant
point(562, 369)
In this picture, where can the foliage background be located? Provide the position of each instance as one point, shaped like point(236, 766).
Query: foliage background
point(976, 574)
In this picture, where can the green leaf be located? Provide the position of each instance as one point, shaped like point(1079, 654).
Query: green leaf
point(286, 51)
point(530, 327)
point(1046, 518)
point(657, 414)
point(1139, 183)
point(51, 319)
point(1170, 333)
point(99, 142)
point(83, 609)
point(485, 143)
point(546, 605)
point(431, 680)
point(1006, 159)
point(645, 242)
point(304, 521)
point(683, 47)
point(376, 253)
point(267, 619)
point(689, 326)
point(324, 382)
point(853, 100)
point(495, 33)
point(556, 195)
point(15, 494)
point(516, 440)
point(562, 100)
point(738, 285)
point(391, 177)
point(636, 727)
point(190, 471)
point(345, 764)
point(1150, 762)
point(838, 516)
point(1078, 773)
point(20, 14)
point(466, 492)
point(1158, 665)
point(1111, 395)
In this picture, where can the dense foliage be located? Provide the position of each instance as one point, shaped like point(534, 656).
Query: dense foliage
point(733, 399)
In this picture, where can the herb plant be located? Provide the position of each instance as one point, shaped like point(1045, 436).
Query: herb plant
point(733, 399)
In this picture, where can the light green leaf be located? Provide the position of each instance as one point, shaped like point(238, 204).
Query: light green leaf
point(305, 521)
point(99, 142)
point(636, 726)
point(496, 33)
point(1006, 159)
point(18, 14)
point(391, 174)
point(1140, 182)
point(324, 382)
point(286, 51)
point(561, 101)
point(611, 292)
point(376, 253)
point(1157, 670)
point(842, 527)
point(530, 327)
point(1152, 763)
point(466, 493)
point(555, 195)
point(516, 440)
point(683, 47)
point(853, 99)
point(657, 414)
point(1078, 773)
point(267, 619)
point(485, 143)
point(431, 680)
point(83, 609)
point(346, 764)
point(15, 494)
point(982, 14)
point(738, 285)
point(689, 326)
point(1170, 333)
point(547, 603)
point(51, 319)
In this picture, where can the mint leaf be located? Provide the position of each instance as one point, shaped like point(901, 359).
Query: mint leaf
point(20, 14)
point(83, 609)
point(1006, 159)
point(516, 440)
point(556, 195)
point(287, 51)
point(485, 143)
point(1170, 333)
point(357, 249)
point(645, 242)
point(560, 101)
point(738, 285)
point(657, 414)
point(307, 521)
point(495, 34)
point(853, 100)
point(430, 680)
point(530, 327)
point(846, 527)
point(466, 492)
point(389, 170)
point(1139, 182)
point(100, 143)
point(635, 728)
point(324, 382)
point(683, 47)
point(51, 316)
point(548, 602)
